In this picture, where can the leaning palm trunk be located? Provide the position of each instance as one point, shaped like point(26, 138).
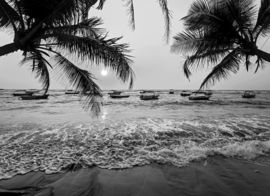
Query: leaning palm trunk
point(262, 55)
point(7, 49)
point(223, 34)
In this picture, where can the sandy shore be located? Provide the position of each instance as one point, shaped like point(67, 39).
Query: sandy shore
point(214, 176)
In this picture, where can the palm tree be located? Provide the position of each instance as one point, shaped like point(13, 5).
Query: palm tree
point(49, 31)
point(223, 34)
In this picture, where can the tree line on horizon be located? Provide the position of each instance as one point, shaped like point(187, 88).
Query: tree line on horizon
point(52, 34)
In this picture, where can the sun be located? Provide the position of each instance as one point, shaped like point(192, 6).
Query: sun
point(104, 72)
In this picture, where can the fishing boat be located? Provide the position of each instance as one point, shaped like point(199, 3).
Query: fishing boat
point(22, 94)
point(115, 93)
point(118, 96)
point(34, 97)
point(149, 96)
point(72, 92)
point(208, 92)
point(185, 93)
point(199, 96)
point(142, 92)
point(249, 94)
point(171, 91)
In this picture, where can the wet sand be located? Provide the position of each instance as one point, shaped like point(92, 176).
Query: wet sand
point(211, 177)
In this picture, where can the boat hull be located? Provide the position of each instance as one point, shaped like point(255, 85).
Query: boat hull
point(72, 93)
point(119, 96)
point(22, 94)
point(34, 97)
point(185, 94)
point(248, 96)
point(149, 97)
point(199, 97)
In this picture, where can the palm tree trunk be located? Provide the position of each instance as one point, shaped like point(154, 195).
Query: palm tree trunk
point(263, 55)
point(9, 48)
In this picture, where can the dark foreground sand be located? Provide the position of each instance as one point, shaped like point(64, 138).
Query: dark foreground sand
point(215, 176)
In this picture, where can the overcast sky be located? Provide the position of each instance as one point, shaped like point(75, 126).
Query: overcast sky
point(155, 67)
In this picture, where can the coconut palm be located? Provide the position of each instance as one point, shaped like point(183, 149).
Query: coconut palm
point(223, 34)
point(54, 34)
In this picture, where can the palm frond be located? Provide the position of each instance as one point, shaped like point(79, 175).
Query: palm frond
point(243, 14)
point(222, 71)
point(39, 68)
point(54, 13)
point(86, 28)
point(260, 64)
point(202, 13)
point(81, 80)
point(101, 4)
point(167, 18)
point(262, 26)
point(247, 62)
point(197, 42)
point(201, 60)
point(99, 51)
point(84, 7)
point(213, 18)
point(130, 12)
point(7, 14)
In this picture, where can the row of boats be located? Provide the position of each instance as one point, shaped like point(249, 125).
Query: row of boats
point(152, 95)
point(145, 95)
point(196, 95)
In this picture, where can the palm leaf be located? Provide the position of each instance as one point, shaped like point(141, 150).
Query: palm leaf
point(7, 14)
point(262, 25)
point(212, 17)
point(165, 10)
point(81, 80)
point(86, 28)
point(208, 58)
point(39, 67)
point(51, 12)
point(222, 71)
point(197, 42)
point(167, 18)
point(99, 51)
point(243, 14)
point(260, 64)
point(130, 11)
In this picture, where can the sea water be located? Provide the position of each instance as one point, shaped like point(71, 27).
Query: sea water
point(50, 135)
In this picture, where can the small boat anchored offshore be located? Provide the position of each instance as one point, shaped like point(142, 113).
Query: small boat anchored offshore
point(171, 91)
point(149, 95)
point(185, 93)
point(199, 96)
point(249, 94)
point(117, 95)
point(34, 97)
point(24, 93)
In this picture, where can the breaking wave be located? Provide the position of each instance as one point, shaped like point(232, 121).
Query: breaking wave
point(115, 145)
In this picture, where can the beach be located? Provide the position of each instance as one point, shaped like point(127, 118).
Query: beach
point(210, 177)
point(169, 146)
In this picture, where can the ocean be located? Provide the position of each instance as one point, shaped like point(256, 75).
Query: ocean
point(54, 134)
